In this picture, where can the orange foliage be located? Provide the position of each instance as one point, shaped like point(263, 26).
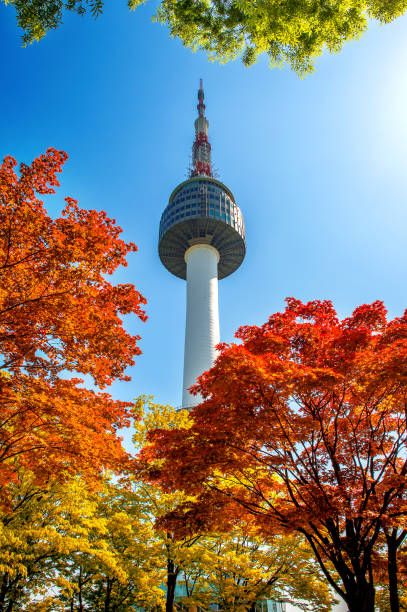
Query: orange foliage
point(59, 314)
point(304, 425)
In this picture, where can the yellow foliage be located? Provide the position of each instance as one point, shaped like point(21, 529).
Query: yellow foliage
point(68, 540)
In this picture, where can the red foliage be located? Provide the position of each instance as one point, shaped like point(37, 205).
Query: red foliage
point(304, 425)
point(59, 314)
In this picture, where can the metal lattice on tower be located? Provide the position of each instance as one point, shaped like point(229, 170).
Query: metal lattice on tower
point(201, 239)
point(201, 149)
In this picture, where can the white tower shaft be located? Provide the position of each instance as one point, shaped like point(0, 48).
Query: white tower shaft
point(202, 320)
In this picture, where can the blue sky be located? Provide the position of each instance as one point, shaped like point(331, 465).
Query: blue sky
point(318, 166)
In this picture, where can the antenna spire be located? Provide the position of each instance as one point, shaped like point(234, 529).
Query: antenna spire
point(201, 149)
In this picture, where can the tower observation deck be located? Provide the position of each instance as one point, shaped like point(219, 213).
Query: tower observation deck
point(201, 239)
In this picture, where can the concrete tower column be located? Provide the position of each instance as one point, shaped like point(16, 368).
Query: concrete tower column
point(202, 316)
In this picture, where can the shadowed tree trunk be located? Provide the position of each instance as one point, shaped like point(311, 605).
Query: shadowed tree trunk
point(394, 541)
point(3, 591)
point(172, 574)
point(108, 597)
point(8, 593)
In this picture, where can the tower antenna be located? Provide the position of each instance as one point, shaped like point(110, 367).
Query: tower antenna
point(201, 148)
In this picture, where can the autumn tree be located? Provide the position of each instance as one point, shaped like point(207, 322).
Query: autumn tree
point(43, 530)
point(235, 570)
point(295, 33)
point(136, 577)
point(303, 424)
point(60, 317)
point(178, 551)
point(70, 545)
point(231, 568)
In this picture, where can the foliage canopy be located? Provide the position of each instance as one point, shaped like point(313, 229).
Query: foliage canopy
point(60, 317)
point(303, 426)
point(293, 31)
point(232, 569)
point(69, 544)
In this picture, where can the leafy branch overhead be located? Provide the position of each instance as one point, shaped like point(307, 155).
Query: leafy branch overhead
point(293, 32)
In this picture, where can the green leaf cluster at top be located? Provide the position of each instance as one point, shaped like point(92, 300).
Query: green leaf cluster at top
point(293, 32)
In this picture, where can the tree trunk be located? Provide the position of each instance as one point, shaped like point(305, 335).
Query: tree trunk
point(109, 585)
point(361, 597)
point(392, 571)
point(80, 590)
point(8, 590)
point(172, 574)
point(357, 588)
point(3, 591)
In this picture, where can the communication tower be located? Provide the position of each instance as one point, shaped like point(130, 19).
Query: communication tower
point(201, 240)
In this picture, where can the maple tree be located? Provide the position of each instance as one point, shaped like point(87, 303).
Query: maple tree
point(234, 568)
point(70, 545)
point(60, 317)
point(303, 426)
point(295, 33)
